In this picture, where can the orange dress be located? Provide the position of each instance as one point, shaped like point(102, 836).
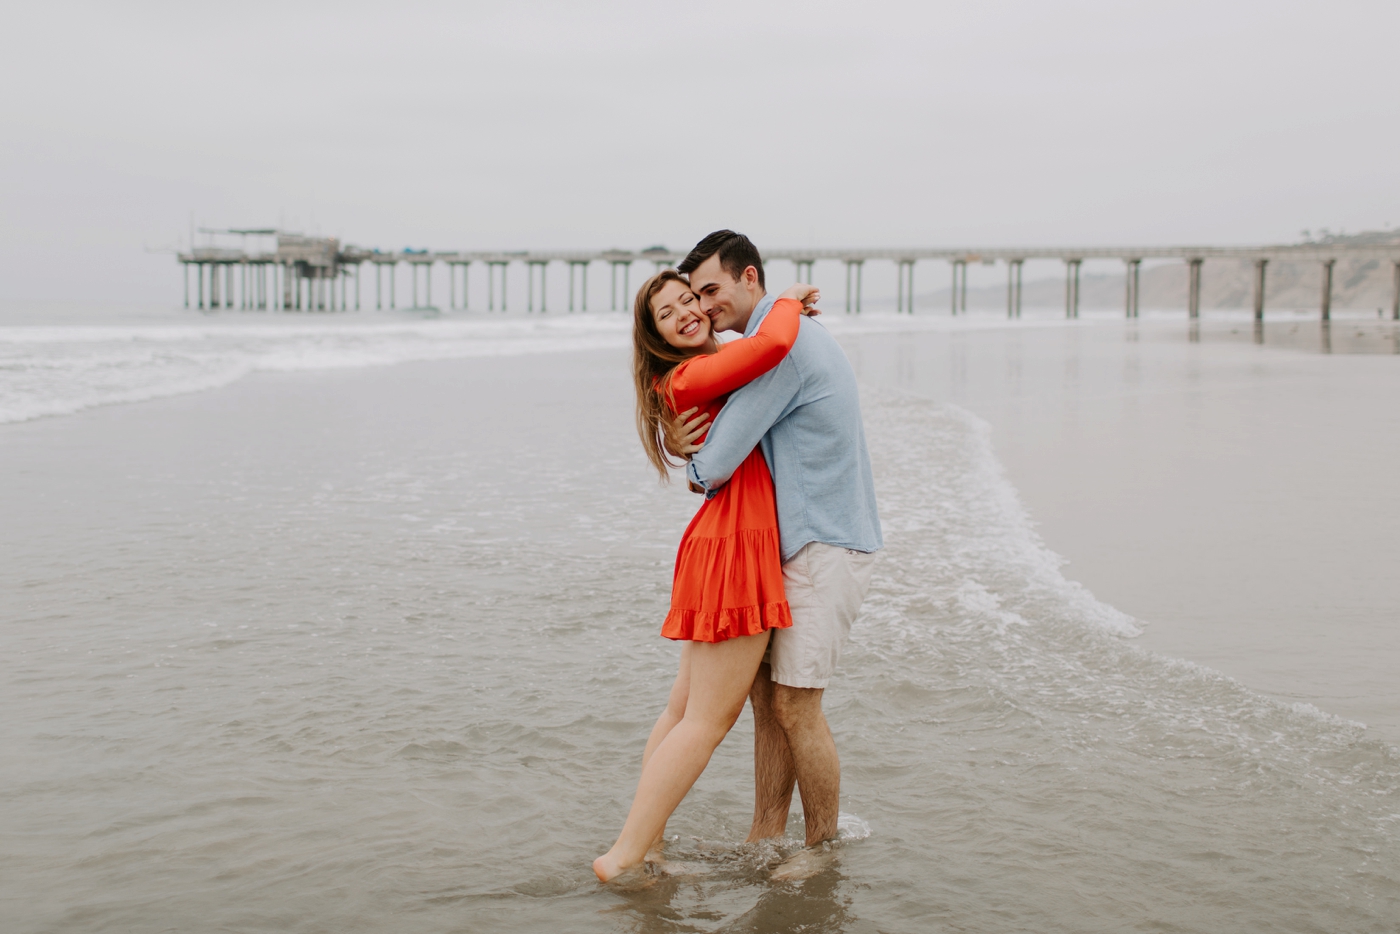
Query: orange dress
point(729, 567)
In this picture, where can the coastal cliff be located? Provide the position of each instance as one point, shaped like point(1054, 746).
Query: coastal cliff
point(1225, 284)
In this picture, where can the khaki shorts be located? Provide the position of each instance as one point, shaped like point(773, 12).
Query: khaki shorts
point(825, 585)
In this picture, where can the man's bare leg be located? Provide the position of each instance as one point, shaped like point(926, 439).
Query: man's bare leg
point(813, 749)
point(773, 770)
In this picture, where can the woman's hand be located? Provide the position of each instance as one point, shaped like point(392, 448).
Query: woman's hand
point(682, 432)
point(808, 295)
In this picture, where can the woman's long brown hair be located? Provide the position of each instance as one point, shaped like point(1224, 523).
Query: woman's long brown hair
point(653, 360)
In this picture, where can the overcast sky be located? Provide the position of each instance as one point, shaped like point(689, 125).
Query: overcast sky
point(516, 125)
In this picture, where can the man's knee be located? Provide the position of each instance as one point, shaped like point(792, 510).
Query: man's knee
point(795, 708)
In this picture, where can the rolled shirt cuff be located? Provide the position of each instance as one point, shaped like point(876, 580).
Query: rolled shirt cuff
point(693, 476)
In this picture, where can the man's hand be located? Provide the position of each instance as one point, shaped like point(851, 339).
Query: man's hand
point(808, 295)
point(682, 432)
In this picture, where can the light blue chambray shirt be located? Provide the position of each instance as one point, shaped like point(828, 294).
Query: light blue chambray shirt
point(806, 414)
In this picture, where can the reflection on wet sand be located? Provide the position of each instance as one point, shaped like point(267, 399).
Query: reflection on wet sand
point(1323, 337)
point(819, 905)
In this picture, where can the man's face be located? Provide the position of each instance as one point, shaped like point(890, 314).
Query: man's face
point(728, 301)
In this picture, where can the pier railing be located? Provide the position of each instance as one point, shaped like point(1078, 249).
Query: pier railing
point(303, 273)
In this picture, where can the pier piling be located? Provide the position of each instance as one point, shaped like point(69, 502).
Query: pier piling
point(626, 265)
point(492, 268)
point(1327, 265)
point(853, 296)
point(1395, 299)
point(959, 299)
point(905, 270)
point(1193, 287)
point(1013, 288)
point(1072, 287)
point(1131, 283)
point(530, 269)
point(581, 265)
point(1260, 266)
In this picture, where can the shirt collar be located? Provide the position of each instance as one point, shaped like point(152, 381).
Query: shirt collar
point(760, 311)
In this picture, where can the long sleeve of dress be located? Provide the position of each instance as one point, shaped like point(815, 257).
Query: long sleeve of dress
point(702, 379)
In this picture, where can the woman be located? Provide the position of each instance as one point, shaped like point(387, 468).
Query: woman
point(727, 592)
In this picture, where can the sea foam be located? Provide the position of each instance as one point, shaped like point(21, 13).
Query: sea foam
point(47, 371)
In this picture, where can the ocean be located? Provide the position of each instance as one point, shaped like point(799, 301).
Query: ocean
point(351, 624)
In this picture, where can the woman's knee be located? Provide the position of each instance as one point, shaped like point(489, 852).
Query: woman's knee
point(713, 724)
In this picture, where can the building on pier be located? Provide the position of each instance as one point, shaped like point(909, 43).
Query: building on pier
point(318, 274)
point(300, 274)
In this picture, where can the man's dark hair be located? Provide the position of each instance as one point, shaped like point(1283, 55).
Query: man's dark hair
point(736, 253)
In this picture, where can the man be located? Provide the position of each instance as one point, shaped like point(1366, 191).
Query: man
point(806, 415)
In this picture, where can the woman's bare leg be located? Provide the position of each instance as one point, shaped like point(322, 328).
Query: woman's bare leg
point(720, 676)
point(674, 712)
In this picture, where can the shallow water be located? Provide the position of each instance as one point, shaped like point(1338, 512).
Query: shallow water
point(365, 650)
point(1240, 498)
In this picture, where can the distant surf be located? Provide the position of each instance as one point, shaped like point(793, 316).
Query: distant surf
point(48, 371)
point(51, 370)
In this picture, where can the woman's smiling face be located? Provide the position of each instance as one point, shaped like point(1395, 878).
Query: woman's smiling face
point(679, 320)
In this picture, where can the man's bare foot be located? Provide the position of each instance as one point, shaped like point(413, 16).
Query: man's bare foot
point(804, 864)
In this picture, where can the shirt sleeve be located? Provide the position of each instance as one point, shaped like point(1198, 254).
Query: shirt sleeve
point(704, 378)
point(742, 423)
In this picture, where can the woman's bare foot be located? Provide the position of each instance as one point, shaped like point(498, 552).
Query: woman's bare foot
point(607, 868)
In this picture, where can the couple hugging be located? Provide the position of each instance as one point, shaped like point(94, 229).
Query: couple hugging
point(773, 568)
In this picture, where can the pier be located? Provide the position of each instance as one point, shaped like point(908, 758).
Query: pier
point(319, 274)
